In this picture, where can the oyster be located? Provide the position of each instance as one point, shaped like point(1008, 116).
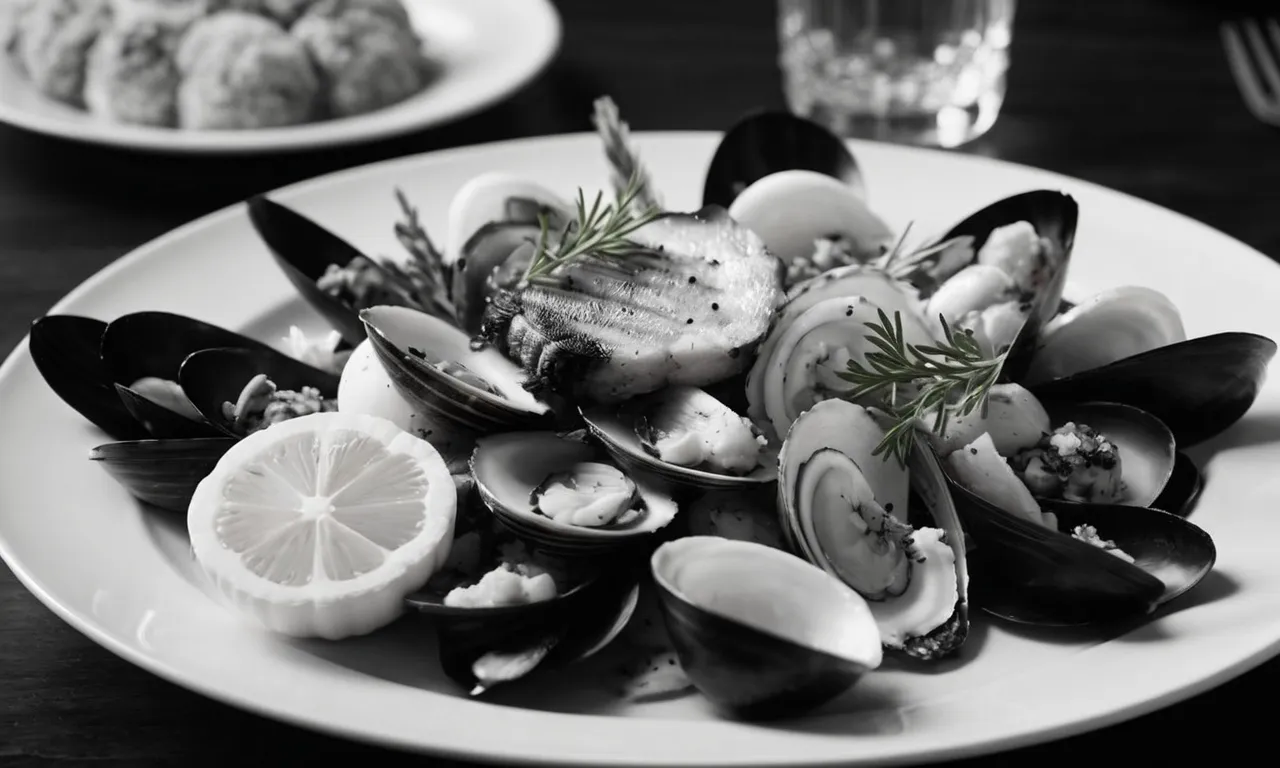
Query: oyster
point(760, 632)
point(562, 496)
point(688, 306)
point(686, 436)
point(849, 512)
point(433, 366)
point(763, 143)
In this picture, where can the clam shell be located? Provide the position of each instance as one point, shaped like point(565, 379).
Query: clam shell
point(763, 143)
point(212, 377)
point(397, 332)
point(760, 632)
point(482, 254)
point(65, 349)
point(155, 344)
point(509, 467)
point(1198, 387)
point(163, 473)
point(304, 250)
point(614, 427)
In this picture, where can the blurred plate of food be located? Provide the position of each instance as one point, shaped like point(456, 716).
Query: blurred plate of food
point(242, 76)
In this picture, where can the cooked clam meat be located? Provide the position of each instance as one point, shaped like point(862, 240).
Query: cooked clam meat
point(690, 428)
point(1075, 462)
point(166, 393)
point(261, 404)
point(1089, 535)
point(1022, 254)
point(981, 469)
point(588, 494)
point(520, 577)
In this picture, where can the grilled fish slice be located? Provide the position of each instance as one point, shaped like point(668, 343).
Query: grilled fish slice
point(688, 306)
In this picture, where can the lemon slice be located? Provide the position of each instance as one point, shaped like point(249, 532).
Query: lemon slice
point(320, 525)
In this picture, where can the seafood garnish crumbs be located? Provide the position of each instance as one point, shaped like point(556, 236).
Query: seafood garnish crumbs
point(261, 404)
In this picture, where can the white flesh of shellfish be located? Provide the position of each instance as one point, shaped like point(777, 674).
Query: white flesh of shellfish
point(1107, 327)
point(983, 471)
point(792, 209)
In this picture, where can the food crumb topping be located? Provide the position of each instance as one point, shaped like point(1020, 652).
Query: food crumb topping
point(262, 404)
point(1089, 535)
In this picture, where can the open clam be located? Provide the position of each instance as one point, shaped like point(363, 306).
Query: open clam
point(65, 349)
point(432, 364)
point(163, 473)
point(531, 611)
point(763, 143)
point(234, 389)
point(562, 495)
point(685, 436)
point(760, 632)
point(853, 514)
point(490, 218)
point(143, 353)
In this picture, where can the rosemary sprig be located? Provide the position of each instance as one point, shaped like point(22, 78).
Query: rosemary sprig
point(622, 156)
point(424, 279)
point(951, 378)
point(598, 230)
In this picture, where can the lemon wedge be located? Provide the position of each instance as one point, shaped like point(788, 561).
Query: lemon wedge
point(320, 525)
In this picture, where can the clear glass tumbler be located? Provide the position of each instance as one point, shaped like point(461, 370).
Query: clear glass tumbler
point(910, 71)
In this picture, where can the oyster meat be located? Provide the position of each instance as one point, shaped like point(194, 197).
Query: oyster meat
point(687, 306)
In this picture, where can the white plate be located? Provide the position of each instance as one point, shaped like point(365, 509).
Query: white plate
point(124, 577)
point(486, 49)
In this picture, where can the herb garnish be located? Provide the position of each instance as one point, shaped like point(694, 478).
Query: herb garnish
point(600, 231)
point(622, 156)
point(953, 378)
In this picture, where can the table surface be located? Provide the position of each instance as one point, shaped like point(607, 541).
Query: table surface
point(1134, 95)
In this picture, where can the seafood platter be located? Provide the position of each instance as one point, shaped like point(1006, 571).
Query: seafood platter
point(773, 442)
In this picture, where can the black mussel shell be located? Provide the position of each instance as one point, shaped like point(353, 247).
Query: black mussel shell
point(1181, 493)
point(212, 377)
point(1198, 387)
point(767, 142)
point(568, 628)
point(163, 473)
point(304, 250)
point(144, 344)
point(1024, 572)
point(65, 349)
point(484, 252)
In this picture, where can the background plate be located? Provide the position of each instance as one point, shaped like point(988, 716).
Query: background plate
point(124, 576)
point(486, 50)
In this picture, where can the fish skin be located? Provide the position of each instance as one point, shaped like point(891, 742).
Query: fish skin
point(688, 306)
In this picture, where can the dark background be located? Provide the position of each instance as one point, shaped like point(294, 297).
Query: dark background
point(1135, 95)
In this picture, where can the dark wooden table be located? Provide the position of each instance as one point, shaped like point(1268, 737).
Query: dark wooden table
point(1133, 95)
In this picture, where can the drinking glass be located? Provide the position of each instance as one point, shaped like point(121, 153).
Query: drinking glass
point(910, 71)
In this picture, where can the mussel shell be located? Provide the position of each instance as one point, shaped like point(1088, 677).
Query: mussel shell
point(745, 670)
point(1054, 216)
point(65, 349)
point(508, 467)
point(568, 628)
point(1026, 573)
point(1181, 493)
point(163, 473)
point(438, 392)
point(212, 377)
point(1147, 448)
point(1198, 387)
point(304, 250)
point(144, 344)
point(766, 142)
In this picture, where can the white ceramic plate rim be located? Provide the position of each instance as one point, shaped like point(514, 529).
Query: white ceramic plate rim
point(492, 48)
point(1148, 685)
